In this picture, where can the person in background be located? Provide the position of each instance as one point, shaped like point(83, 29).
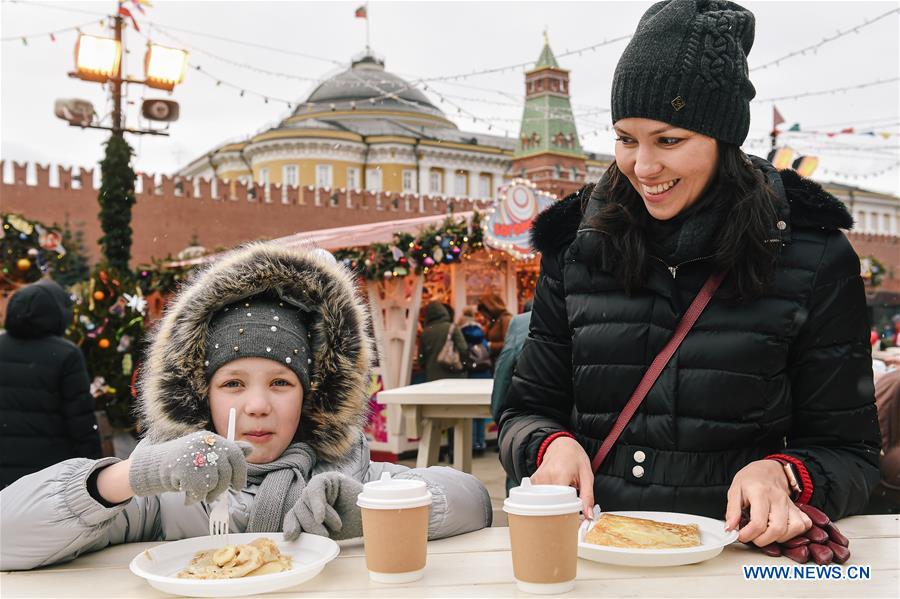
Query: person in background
point(885, 497)
point(506, 363)
point(434, 335)
point(492, 307)
point(478, 365)
point(46, 408)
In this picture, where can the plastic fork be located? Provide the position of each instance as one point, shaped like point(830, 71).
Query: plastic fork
point(220, 515)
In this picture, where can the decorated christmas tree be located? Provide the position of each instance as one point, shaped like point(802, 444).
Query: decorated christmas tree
point(29, 249)
point(109, 327)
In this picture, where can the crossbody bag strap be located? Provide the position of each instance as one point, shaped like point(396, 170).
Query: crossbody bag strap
point(656, 367)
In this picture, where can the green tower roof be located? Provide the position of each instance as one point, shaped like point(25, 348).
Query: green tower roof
point(546, 59)
point(547, 121)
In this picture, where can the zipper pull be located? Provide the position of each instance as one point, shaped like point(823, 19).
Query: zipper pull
point(673, 270)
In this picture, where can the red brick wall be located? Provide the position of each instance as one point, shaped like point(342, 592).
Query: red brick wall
point(164, 220)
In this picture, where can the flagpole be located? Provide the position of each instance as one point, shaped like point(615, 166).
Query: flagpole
point(368, 50)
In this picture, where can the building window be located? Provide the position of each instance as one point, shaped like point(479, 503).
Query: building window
point(574, 174)
point(409, 181)
point(373, 179)
point(289, 175)
point(460, 183)
point(324, 175)
point(435, 183)
point(484, 187)
point(263, 176)
point(352, 178)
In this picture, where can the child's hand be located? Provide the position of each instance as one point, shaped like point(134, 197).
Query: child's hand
point(327, 507)
point(202, 465)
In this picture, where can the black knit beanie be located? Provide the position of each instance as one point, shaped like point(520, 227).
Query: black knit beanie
point(262, 326)
point(686, 65)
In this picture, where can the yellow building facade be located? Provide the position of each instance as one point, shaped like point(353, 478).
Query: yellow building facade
point(366, 128)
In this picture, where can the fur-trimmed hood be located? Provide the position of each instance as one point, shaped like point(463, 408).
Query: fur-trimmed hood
point(803, 201)
point(173, 392)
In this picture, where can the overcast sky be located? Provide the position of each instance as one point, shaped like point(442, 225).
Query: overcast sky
point(308, 41)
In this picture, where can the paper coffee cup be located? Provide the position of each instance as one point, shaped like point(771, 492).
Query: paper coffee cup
point(395, 528)
point(543, 533)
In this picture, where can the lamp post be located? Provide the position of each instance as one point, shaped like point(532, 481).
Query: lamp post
point(99, 59)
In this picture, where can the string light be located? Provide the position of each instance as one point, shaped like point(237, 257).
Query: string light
point(814, 47)
point(51, 34)
point(831, 91)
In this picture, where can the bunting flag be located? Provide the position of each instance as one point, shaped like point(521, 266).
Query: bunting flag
point(781, 158)
point(805, 165)
point(127, 13)
point(361, 12)
point(777, 119)
point(795, 127)
point(140, 4)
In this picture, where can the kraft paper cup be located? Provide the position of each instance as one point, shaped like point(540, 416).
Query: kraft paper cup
point(543, 534)
point(395, 528)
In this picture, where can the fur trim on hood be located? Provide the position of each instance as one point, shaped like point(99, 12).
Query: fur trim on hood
point(173, 392)
point(809, 206)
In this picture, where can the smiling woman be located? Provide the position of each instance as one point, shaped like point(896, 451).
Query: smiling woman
point(768, 400)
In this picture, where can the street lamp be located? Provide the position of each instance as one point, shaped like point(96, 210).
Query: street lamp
point(97, 58)
point(164, 67)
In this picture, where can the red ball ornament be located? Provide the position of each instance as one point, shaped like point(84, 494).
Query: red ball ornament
point(103, 343)
point(99, 296)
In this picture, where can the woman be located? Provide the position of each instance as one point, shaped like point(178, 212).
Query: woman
point(46, 408)
point(497, 317)
point(770, 397)
point(432, 340)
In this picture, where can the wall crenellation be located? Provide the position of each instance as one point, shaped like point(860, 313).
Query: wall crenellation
point(170, 211)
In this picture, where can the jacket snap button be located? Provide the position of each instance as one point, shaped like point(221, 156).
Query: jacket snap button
point(638, 471)
point(639, 456)
point(781, 225)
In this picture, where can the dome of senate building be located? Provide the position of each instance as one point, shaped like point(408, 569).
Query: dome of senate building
point(367, 86)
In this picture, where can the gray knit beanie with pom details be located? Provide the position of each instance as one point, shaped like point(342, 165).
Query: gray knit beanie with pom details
point(686, 65)
point(262, 326)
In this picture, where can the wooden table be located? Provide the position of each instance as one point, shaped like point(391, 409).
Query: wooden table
point(429, 408)
point(479, 564)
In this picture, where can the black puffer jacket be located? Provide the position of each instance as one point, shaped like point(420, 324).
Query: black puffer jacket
point(46, 408)
point(788, 373)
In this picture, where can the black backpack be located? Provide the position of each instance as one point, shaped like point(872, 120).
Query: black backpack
point(478, 359)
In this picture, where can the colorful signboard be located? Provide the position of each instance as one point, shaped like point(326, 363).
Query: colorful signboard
point(508, 223)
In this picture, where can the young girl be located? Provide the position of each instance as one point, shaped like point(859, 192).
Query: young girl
point(279, 335)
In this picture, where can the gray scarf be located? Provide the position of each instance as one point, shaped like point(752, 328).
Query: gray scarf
point(280, 484)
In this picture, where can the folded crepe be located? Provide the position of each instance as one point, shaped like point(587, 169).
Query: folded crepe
point(235, 561)
point(638, 533)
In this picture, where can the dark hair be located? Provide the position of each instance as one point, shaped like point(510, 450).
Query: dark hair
point(743, 247)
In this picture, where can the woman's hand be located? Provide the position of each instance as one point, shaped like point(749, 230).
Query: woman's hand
point(763, 487)
point(566, 463)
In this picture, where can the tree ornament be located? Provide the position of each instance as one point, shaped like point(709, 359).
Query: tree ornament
point(32, 253)
point(103, 343)
point(23, 264)
point(388, 274)
point(99, 296)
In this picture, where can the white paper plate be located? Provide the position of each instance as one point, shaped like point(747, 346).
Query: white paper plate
point(160, 564)
point(713, 539)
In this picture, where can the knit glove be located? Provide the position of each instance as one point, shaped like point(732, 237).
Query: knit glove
point(327, 507)
point(824, 543)
point(202, 465)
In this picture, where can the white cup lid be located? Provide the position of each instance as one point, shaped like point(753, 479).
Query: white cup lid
point(393, 493)
point(541, 500)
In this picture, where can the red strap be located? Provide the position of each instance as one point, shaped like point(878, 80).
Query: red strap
point(656, 367)
point(805, 478)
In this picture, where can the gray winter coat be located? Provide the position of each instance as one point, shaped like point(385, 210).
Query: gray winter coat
point(49, 517)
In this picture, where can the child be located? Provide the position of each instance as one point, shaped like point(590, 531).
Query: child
point(280, 335)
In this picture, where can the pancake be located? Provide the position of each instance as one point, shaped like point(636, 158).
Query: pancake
point(235, 561)
point(638, 533)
